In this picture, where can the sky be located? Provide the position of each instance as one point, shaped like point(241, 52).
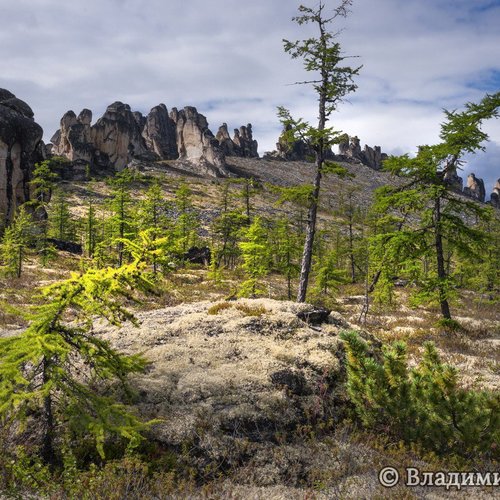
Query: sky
point(226, 58)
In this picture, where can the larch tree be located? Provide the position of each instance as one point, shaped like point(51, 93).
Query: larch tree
point(333, 80)
point(423, 218)
point(48, 372)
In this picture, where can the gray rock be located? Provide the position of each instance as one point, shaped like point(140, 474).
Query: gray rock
point(197, 144)
point(21, 147)
point(159, 132)
point(495, 195)
point(454, 180)
point(371, 157)
point(475, 188)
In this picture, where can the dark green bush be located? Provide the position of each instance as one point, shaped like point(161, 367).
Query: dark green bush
point(422, 405)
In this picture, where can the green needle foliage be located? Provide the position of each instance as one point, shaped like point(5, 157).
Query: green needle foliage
point(254, 250)
point(423, 220)
point(53, 376)
point(423, 405)
point(332, 81)
point(14, 243)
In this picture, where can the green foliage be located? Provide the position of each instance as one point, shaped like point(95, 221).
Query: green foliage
point(61, 223)
point(54, 374)
point(328, 275)
point(332, 81)
point(423, 220)
point(44, 178)
point(14, 243)
point(424, 404)
point(186, 224)
point(120, 206)
point(285, 250)
point(255, 256)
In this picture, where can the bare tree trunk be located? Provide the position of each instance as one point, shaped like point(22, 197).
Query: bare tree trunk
point(441, 270)
point(310, 234)
point(47, 451)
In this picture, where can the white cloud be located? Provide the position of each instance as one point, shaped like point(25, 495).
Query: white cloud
point(226, 58)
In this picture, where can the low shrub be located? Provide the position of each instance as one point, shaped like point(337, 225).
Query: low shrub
point(422, 405)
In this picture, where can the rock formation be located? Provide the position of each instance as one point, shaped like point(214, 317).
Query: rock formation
point(495, 195)
point(21, 147)
point(371, 157)
point(243, 139)
point(475, 188)
point(454, 180)
point(196, 143)
point(122, 135)
point(295, 151)
point(159, 132)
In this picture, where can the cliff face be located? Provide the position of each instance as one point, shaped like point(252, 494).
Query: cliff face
point(121, 135)
point(20, 147)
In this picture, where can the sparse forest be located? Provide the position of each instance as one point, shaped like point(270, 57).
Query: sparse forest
point(364, 322)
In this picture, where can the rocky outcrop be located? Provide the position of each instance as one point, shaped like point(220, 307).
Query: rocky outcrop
point(159, 132)
point(475, 188)
point(122, 135)
point(196, 143)
point(371, 157)
point(21, 147)
point(297, 150)
point(454, 180)
point(74, 138)
point(495, 195)
point(117, 136)
point(243, 139)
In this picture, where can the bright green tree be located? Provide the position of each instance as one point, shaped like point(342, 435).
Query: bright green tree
point(61, 222)
point(14, 243)
point(120, 206)
point(48, 374)
point(332, 82)
point(152, 217)
point(285, 250)
point(186, 222)
point(328, 273)
point(423, 217)
point(255, 255)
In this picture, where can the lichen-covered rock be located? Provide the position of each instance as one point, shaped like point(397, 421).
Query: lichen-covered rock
point(21, 147)
point(475, 188)
point(245, 370)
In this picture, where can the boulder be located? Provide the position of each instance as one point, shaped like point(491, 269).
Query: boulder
point(475, 188)
point(21, 147)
